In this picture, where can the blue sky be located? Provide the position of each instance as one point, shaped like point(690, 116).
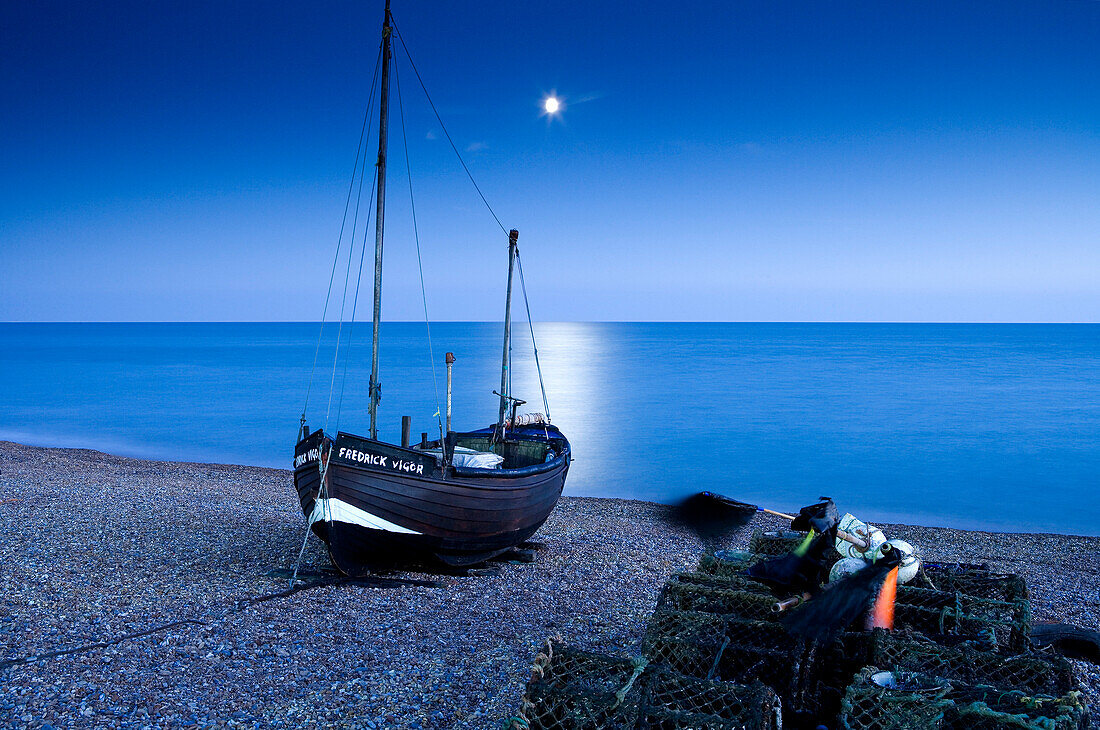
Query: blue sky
point(715, 161)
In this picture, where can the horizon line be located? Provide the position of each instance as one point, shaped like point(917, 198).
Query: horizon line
point(559, 321)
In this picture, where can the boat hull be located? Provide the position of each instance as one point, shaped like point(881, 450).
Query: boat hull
point(381, 505)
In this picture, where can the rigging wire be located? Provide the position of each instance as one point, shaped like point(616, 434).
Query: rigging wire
point(340, 238)
point(351, 251)
point(416, 236)
point(496, 218)
point(354, 306)
point(444, 127)
point(531, 325)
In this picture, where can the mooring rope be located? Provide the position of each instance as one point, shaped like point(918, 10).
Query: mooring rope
point(237, 607)
point(305, 541)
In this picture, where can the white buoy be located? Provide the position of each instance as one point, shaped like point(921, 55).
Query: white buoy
point(860, 529)
point(910, 563)
point(845, 567)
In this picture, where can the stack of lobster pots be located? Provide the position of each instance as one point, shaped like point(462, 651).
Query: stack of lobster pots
point(716, 654)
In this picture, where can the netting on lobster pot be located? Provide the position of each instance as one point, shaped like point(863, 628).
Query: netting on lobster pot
point(992, 708)
point(739, 603)
point(1029, 672)
point(715, 646)
point(578, 690)
point(690, 642)
point(1001, 624)
point(733, 582)
point(760, 650)
point(973, 581)
point(775, 542)
point(673, 701)
point(884, 700)
point(824, 671)
point(728, 562)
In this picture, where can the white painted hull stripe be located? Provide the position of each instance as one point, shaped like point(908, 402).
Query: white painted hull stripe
point(339, 511)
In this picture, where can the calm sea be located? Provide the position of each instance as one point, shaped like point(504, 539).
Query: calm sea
point(976, 426)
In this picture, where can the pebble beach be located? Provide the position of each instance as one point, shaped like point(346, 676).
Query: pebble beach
point(141, 594)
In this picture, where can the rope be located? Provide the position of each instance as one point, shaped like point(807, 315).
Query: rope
point(322, 492)
point(305, 540)
point(639, 666)
point(957, 614)
point(340, 238)
point(355, 219)
point(531, 325)
point(237, 607)
point(444, 127)
point(718, 658)
point(419, 261)
point(354, 306)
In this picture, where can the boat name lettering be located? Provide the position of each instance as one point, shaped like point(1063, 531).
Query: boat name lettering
point(363, 457)
point(312, 455)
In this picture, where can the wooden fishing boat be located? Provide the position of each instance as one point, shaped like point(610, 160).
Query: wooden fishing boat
point(462, 498)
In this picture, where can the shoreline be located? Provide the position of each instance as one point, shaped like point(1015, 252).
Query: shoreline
point(6, 440)
point(98, 547)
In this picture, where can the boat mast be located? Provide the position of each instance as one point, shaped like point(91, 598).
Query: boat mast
point(379, 223)
point(505, 395)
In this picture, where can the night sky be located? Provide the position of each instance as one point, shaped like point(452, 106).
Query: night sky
point(924, 161)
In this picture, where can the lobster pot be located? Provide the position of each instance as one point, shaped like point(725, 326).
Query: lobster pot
point(577, 690)
point(974, 581)
point(739, 603)
point(775, 542)
point(761, 650)
point(689, 642)
point(673, 701)
point(581, 690)
point(823, 673)
point(999, 624)
point(727, 562)
point(731, 582)
point(1030, 672)
point(992, 708)
point(714, 646)
point(915, 702)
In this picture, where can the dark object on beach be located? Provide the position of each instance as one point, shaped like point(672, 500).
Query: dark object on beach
point(805, 568)
point(821, 517)
point(802, 570)
point(1069, 640)
point(712, 517)
point(462, 498)
point(838, 604)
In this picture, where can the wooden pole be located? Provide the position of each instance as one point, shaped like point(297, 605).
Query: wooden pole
point(513, 237)
point(379, 222)
point(856, 540)
point(406, 431)
point(788, 603)
point(450, 358)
